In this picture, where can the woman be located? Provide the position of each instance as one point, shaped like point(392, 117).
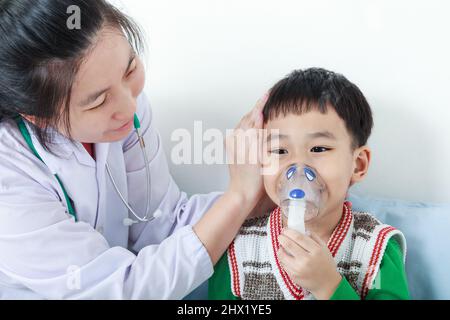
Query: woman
point(68, 153)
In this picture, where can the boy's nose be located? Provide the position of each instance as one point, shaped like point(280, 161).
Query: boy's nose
point(299, 157)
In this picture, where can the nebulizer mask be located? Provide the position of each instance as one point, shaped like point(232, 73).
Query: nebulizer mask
point(300, 192)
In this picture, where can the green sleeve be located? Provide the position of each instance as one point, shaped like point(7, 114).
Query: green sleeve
point(219, 285)
point(344, 291)
point(390, 282)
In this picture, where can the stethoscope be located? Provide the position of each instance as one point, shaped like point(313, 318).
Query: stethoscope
point(127, 221)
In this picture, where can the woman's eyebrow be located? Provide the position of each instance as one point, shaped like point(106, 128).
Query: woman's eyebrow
point(92, 97)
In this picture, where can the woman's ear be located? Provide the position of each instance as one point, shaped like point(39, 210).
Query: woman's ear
point(361, 161)
point(31, 119)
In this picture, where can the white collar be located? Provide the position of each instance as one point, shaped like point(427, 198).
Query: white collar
point(64, 148)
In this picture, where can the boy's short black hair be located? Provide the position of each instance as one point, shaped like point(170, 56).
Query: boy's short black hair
point(316, 88)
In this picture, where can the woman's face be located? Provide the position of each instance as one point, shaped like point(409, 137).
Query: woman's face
point(105, 90)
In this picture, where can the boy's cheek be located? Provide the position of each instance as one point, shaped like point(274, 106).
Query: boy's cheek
point(270, 164)
point(334, 193)
point(336, 178)
point(271, 189)
point(336, 175)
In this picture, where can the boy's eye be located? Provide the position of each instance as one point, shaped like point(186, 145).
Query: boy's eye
point(279, 151)
point(319, 149)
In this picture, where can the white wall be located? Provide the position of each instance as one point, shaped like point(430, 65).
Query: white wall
point(210, 60)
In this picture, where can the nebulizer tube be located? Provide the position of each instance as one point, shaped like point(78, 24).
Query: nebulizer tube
point(296, 210)
point(300, 193)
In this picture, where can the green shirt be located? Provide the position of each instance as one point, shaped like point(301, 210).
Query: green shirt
point(389, 284)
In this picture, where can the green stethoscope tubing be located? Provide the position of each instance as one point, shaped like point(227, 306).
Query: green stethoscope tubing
point(26, 135)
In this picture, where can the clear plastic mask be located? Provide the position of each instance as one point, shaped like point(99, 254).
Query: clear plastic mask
point(300, 192)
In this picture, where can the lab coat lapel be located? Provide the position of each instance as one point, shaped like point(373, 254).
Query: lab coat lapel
point(61, 146)
point(83, 156)
point(76, 170)
point(101, 155)
point(112, 211)
point(87, 183)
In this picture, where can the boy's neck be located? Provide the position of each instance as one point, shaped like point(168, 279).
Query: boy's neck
point(324, 225)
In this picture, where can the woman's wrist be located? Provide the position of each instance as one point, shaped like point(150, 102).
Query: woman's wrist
point(218, 227)
point(243, 204)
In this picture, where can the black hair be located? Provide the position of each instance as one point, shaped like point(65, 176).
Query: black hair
point(315, 88)
point(40, 55)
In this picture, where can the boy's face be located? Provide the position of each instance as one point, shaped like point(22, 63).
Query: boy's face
point(322, 142)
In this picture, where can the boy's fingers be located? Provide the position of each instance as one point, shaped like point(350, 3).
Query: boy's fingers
point(288, 263)
point(292, 247)
point(302, 240)
point(286, 260)
point(317, 239)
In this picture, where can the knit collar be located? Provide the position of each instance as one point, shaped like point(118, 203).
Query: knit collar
point(274, 228)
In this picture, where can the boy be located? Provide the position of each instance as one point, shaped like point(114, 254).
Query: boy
point(324, 121)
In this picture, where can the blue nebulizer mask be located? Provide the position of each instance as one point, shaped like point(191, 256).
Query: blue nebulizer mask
point(300, 192)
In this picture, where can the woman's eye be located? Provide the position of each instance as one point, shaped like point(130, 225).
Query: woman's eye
point(133, 68)
point(99, 104)
point(279, 151)
point(319, 149)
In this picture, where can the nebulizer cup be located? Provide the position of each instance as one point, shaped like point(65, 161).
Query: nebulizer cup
point(300, 193)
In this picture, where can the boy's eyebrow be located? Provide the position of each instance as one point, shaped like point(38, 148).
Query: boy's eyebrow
point(321, 134)
point(92, 97)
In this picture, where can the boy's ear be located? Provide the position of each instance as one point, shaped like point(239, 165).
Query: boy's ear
point(361, 161)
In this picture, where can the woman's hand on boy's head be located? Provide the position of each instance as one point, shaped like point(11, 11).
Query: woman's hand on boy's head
point(243, 147)
point(309, 263)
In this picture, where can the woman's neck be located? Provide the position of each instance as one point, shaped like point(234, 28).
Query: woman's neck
point(90, 149)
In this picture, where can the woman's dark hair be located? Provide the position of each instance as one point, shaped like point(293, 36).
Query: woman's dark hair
point(40, 55)
point(316, 88)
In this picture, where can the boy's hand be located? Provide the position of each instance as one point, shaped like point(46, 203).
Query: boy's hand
point(309, 263)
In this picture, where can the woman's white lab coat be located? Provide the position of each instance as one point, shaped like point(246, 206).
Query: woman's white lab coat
point(45, 254)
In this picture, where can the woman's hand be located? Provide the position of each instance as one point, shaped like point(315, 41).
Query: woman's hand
point(243, 148)
point(309, 263)
point(218, 227)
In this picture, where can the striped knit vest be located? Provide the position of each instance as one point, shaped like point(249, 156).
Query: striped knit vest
point(357, 245)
